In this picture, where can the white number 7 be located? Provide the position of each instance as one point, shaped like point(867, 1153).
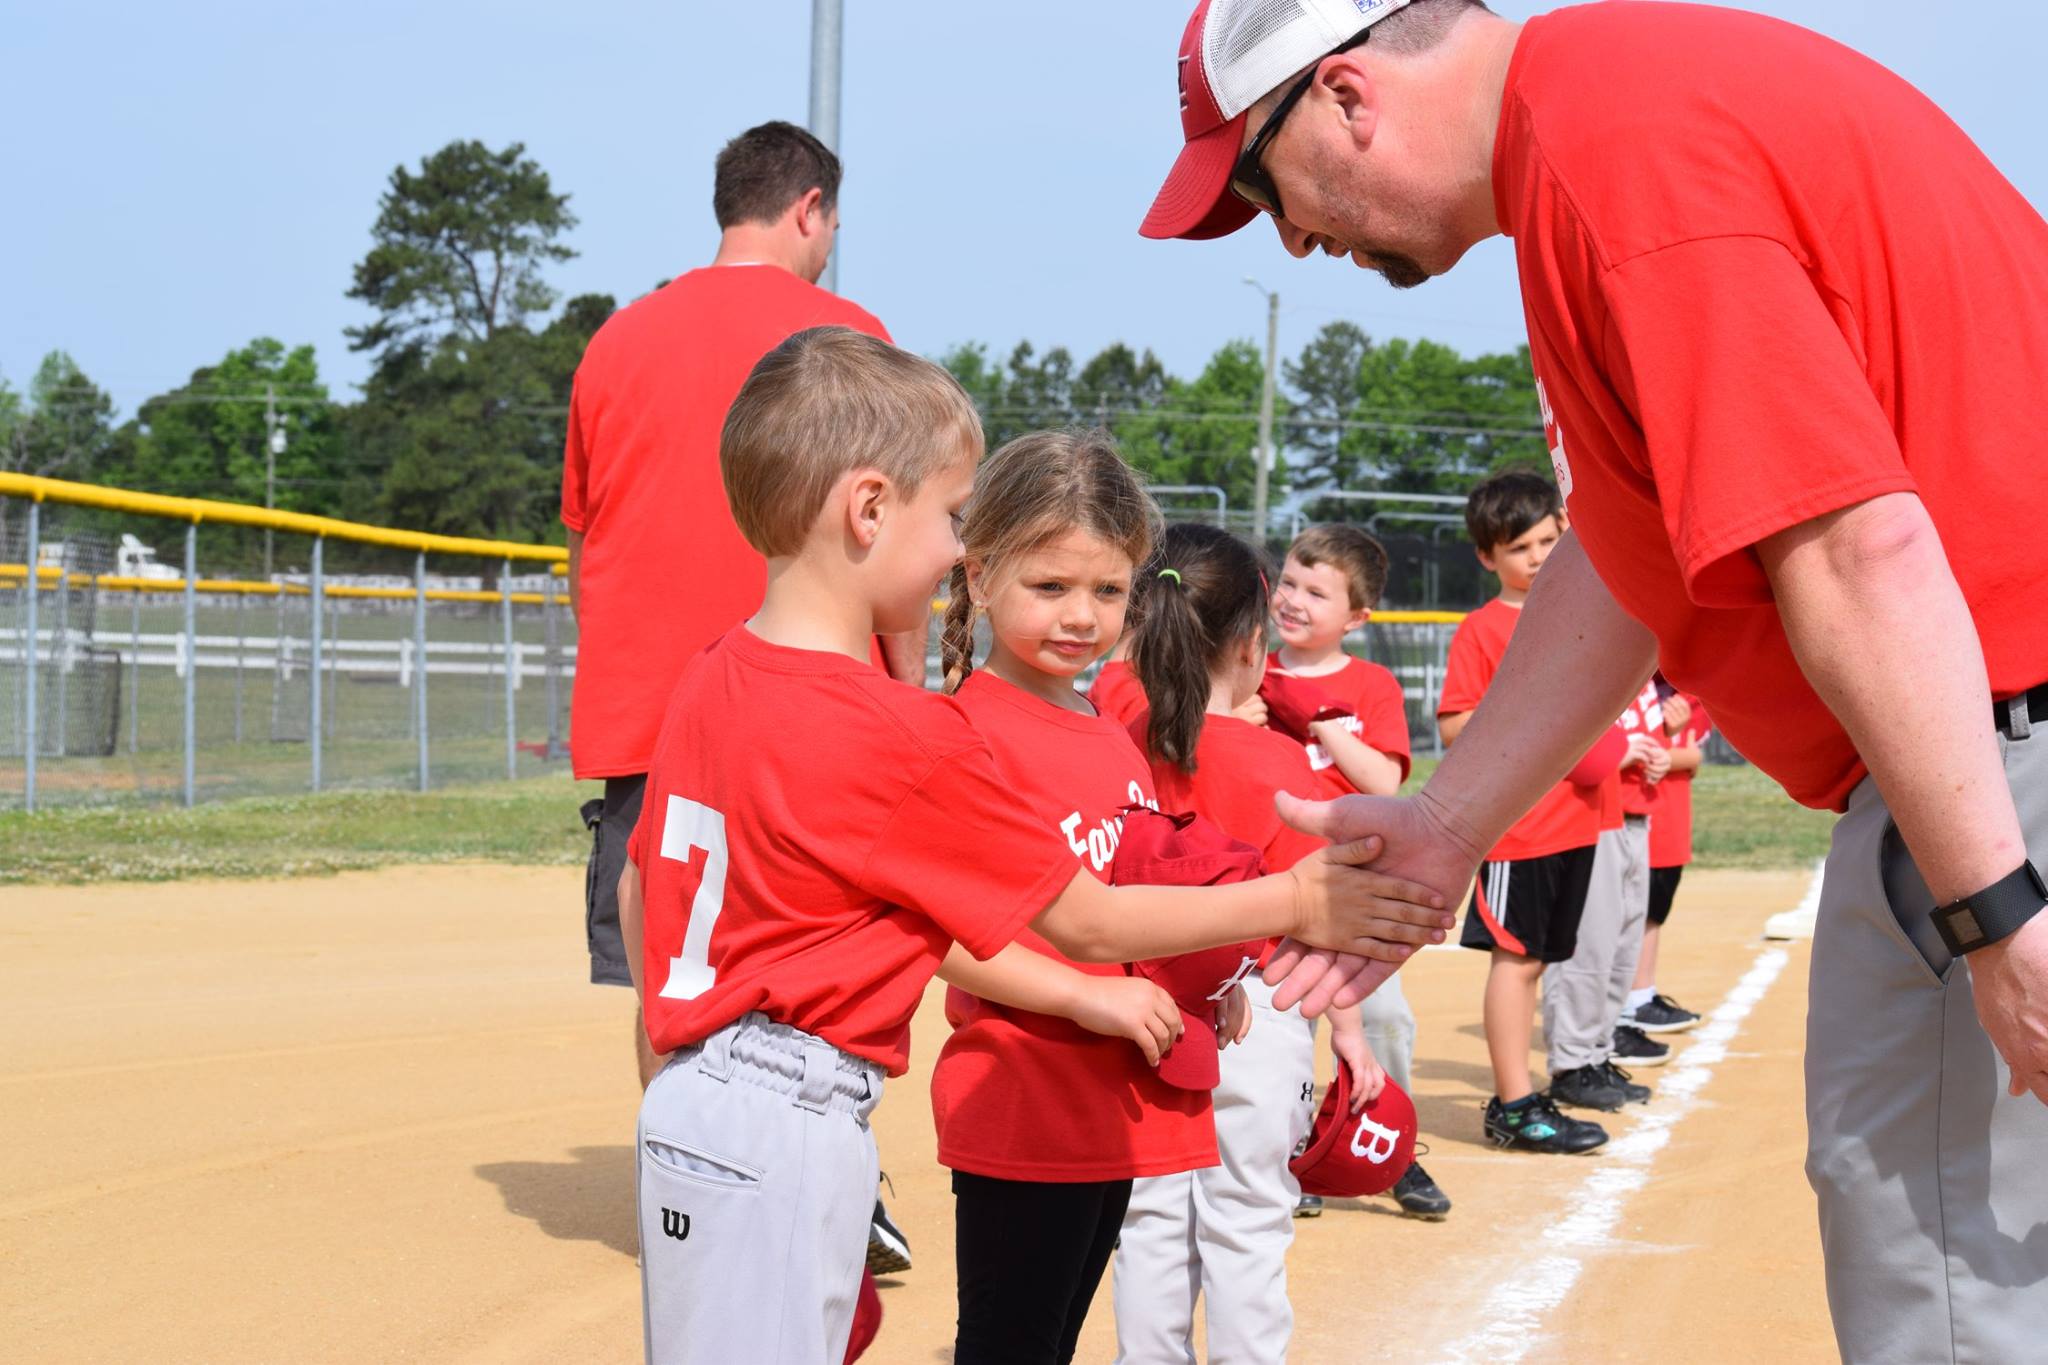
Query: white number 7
point(690, 825)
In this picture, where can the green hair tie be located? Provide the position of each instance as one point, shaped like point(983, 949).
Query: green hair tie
point(1174, 574)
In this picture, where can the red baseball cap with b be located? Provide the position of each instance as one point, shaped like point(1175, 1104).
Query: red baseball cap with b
point(1185, 850)
point(1233, 54)
point(1347, 1154)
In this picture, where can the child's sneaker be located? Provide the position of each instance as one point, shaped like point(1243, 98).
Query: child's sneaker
point(1637, 1048)
point(1532, 1124)
point(1587, 1087)
point(1661, 1014)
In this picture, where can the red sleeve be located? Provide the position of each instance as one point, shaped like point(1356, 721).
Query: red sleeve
point(575, 469)
point(1467, 670)
point(1756, 411)
point(1383, 717)
point(962, 850)
point(1602, 761)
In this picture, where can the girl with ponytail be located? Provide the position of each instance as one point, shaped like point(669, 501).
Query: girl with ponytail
point(1045, 1097)
point(1199, 652)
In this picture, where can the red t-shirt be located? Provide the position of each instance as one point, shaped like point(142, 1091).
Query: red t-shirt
point(1671, 831)
point(1568, 815)
point(664, 569)
point(1765, 279)
point(814, 837)
point(1379, 712)
point(1023, 1096)
point(1644, 716)
point(1238, 768)
point(1116, 692)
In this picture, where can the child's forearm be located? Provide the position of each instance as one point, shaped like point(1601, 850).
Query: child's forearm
point(1016, 977)
point(1090, 922)
point(1364, 767)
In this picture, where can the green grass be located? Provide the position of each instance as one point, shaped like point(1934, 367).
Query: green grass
point(1740, 818)
point(529, 821)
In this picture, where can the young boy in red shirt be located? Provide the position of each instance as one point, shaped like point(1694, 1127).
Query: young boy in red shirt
point(815, 837)
point(1531, 890)
point(1329, 584)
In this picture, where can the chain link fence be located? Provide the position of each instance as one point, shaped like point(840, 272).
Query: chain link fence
point(335, 669)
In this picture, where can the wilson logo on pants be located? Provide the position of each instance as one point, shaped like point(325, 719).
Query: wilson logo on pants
point(676, 1225)
point(1380, 1147)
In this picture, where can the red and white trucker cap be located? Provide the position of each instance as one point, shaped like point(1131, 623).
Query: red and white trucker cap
point(1232, 55)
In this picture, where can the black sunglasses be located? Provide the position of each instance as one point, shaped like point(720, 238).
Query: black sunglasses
point(1248, 179)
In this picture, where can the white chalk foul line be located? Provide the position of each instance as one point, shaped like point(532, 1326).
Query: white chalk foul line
point(1526, 1292)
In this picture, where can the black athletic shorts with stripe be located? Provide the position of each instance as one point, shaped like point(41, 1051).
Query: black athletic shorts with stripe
point(1530, 906)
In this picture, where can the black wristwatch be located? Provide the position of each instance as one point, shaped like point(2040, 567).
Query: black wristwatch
point(1991, 914)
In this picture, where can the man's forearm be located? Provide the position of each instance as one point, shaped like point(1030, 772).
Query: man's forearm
point(1574, 663)
point(1882, 632)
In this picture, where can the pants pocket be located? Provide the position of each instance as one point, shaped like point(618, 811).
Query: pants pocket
point(678, 1158)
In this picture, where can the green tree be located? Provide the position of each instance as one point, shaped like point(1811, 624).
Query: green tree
point(208, 438)
point(459, 247)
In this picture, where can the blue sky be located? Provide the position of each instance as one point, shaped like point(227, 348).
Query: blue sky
point(185, 178)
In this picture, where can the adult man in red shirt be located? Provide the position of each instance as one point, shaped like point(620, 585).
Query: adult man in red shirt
point(1781, 312)
point(657, 569)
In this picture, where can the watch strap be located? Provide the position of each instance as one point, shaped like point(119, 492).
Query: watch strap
point(1982, 919)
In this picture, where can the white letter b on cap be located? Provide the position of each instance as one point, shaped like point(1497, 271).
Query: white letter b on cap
point(1382, 1144)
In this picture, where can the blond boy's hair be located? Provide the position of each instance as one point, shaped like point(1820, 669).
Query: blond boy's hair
point(827, 401)
point(1361, 559)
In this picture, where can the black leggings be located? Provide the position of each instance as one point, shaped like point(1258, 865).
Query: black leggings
point(1029, 1257)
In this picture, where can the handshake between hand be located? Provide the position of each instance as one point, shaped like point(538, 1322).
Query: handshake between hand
point(1386, 886)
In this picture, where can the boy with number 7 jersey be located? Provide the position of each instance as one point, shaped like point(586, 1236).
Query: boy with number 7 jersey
point(815, 837)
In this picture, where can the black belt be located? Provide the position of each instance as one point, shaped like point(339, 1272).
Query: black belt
point(2036, 704)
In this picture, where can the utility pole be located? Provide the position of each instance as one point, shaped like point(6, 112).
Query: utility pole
point(1259, 483)
point(273, 442)
point(825, 52)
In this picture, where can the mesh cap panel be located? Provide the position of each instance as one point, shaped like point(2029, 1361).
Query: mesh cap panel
point(1250, 47)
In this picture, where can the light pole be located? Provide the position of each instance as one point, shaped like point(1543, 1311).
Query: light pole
point(1265, 412)
point(825, 52)
point(273, 446)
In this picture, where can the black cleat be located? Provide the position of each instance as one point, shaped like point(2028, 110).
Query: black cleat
point(1587, 1087)
point(1634, 1094)
point(888, 1248)
point(1637, 1048)
point(1660, 1014)
point(1419, 1196)
point(1532, 1124)
point(1309, 1206)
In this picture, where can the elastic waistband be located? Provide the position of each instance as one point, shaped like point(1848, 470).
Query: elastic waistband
point(2017, 716)
point(810, 1071)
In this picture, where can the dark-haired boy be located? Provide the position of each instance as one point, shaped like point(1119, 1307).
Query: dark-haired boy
point(1531, 891)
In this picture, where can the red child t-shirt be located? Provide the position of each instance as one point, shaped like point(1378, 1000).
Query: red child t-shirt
point(1671, 830)
point(1568, 815)
point(1117, 693)
point(1238, 768)
point(1378, 707)
point(1024, 1096)
point(813, 838)
point(1765, 280)
point(664, 570)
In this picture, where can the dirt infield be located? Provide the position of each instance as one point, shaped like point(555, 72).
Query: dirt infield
point(380, 1116)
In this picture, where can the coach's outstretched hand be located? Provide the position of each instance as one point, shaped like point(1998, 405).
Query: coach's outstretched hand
point(1413, 841)
point(2010, 983)
point(1344, 905)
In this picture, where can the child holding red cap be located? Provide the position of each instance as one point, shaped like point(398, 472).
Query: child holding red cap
point(1199, 652)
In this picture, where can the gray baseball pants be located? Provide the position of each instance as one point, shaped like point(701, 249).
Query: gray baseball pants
point(757, 1177)
point(1390, 1031)
point(1932, 1181)
point(1221, 1233)
point(1583, 996)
